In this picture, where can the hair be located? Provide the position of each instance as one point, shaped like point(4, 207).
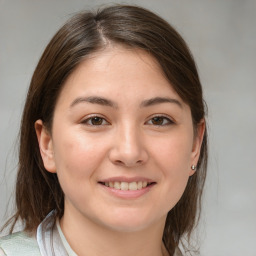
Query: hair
point(37, 190)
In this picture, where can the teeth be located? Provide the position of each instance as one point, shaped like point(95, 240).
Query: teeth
point(126, 185)
point(133, 186)
point(117, 185)
point(139, 185)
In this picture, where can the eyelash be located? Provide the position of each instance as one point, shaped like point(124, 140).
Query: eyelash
point(166, 121)
point(89, 119)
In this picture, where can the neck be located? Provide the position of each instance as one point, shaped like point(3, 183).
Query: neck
point(88, 238)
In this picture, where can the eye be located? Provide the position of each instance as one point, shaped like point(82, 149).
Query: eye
point(95, 121)
point(160, 121)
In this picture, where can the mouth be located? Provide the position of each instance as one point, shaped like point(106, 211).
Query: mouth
point(128, 186)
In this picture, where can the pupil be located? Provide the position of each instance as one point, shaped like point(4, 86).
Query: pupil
point(157, 120)
point(96, 120)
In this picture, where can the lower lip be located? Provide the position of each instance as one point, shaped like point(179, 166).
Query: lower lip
point(127, 194)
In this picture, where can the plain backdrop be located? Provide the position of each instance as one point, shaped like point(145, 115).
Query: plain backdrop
point(222, 38)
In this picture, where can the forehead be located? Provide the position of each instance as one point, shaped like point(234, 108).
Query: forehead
point(118, 72)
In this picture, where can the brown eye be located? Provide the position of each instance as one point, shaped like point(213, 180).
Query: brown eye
point(95, 121)
point(160, 121)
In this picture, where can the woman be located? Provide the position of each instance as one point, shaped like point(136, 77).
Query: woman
point(113, 142)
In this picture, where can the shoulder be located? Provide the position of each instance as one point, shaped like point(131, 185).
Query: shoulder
point(19, 244)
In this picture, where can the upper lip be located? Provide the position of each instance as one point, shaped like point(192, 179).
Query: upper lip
point(127, 179)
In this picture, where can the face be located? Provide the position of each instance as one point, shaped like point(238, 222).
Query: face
point(122, 141)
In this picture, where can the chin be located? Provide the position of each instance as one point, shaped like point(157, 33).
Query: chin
point(128, 227)
point(129, 221)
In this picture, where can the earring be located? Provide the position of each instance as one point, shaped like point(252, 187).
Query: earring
point(193, 167)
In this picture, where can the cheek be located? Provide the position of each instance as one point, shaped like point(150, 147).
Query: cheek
point(172, 157)
point(174, 153)
point(76, 159)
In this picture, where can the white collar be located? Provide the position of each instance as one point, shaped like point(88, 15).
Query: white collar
point(64, 240)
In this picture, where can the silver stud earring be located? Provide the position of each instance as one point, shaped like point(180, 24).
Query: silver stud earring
point(193, 167)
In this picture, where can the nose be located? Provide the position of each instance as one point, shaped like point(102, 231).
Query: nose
point(128, 148)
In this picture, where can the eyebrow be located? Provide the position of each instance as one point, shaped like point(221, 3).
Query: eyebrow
point(159, 100)
point(106, 102)
point(94, 100)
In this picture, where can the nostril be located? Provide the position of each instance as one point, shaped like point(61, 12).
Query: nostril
point(119, 162)
point(128, 163)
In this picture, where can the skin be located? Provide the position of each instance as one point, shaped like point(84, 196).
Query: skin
point(126, 142)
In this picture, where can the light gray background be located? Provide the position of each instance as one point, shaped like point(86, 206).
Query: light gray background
point(222, 37)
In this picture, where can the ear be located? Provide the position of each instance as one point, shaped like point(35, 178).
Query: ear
point(198, 139)
point(46, 146)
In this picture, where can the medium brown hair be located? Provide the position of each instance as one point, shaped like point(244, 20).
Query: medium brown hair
point(37, 190)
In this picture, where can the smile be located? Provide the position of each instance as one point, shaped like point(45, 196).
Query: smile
point(122, 185)
point(127, 188)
